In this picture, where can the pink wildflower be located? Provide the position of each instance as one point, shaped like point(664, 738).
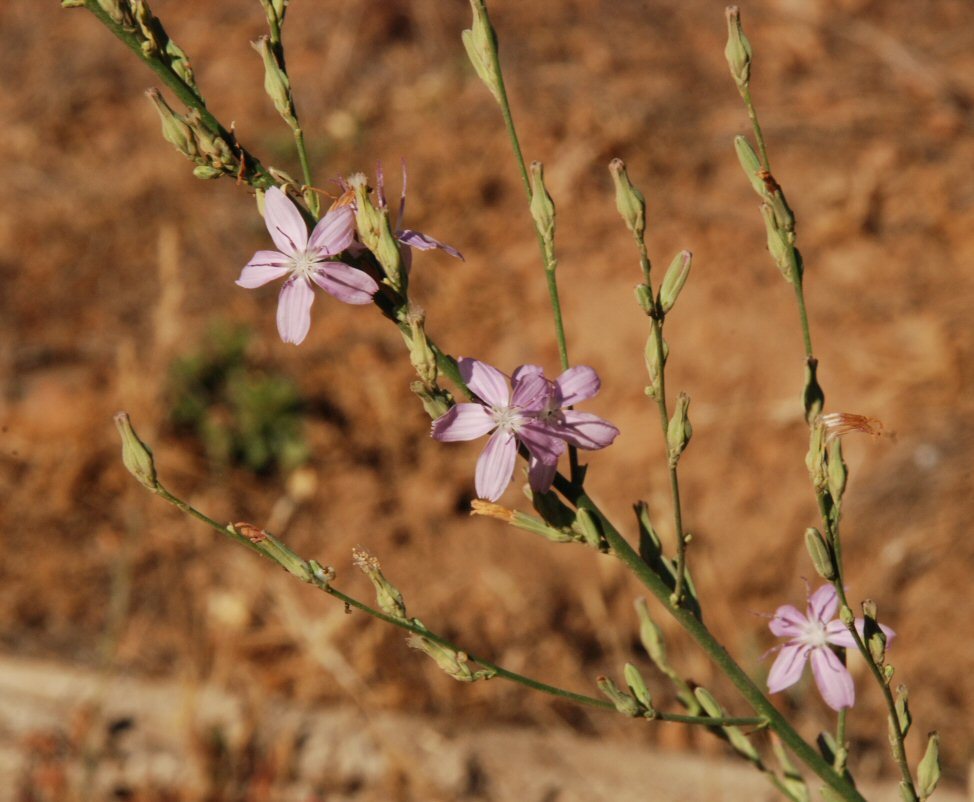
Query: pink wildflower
point(811, 637)
point(512, 417)
point(305, 259)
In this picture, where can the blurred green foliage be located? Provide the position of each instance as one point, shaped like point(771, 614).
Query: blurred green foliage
point(243, 416)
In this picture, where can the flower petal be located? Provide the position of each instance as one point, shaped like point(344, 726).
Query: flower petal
point(787, 667)
point(294, 310)
point(487, 382)
point(333, 233)
point(531, 392)
point(347, 284)
point(787, 622)
point(538, 439)
point(833, 679)
point(264, 266)
point(495, 467)
point(541, 474)
point(838, 633)
point(284, 222)
point(522, 372)
point(585, 430)
point(462, 422)
point(424, 242)
point(577, 384)
point(823, 603)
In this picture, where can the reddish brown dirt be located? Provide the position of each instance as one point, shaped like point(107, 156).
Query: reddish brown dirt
point(115, 260)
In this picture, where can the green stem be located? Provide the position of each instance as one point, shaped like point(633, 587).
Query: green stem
point(254, 173)
point(840, 739)
point(803, 316)
point(756, 127)
point(311, 196)
point(699, 632)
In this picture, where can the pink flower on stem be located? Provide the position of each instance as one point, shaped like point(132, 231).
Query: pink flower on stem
point(512, 417)
point(580, 429)
point(305, 259)
point(811, 637)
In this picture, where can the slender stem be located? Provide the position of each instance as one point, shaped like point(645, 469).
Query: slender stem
point(699, 632)
point(756, 127)
point(311, 197)
point(803, 316)
point(254, 173)
point(840, 739)
point(556, 312)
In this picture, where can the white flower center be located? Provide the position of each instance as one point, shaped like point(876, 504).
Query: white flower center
point(507, 418)
point(304, 263)
point(814, 633)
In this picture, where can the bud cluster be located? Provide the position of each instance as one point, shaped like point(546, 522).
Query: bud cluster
point(213, 155)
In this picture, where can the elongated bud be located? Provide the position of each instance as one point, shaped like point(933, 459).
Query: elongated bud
point(735, 736)
point(552, 509)
point(644, 297)
point(587, 526)
point(655, 345)
point(738, 49)
point(638, 687)
point(374, 230)
point(276, 83)
point(838, 471)
point(118, 11)
point(674, 279)
point(322, 575)
point(679, 431)
point(387, 596)
point(903, 715)
point(269, 545)
point(846, 616)
point(148, 32)
point(906, 793)
point(650, 546)
point(651, 636)
point(928, 772)
point(421, 355)
point(436, 401)
point(136, 455)
point(520, 520)
point(751, 166)
point(815, 458)
point(629, 200)
point(820, 553)
point(480, 42)
point(454, 663)
point(872, 633)
point(543, 212)
point(781, 250)
point(174, 128)
point(623, 702)
point(207, 173)
point(813, 398)
point(213, 149)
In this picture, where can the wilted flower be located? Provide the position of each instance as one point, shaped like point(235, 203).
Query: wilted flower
point(305, 259)
point(812, 636)
point(512, 417)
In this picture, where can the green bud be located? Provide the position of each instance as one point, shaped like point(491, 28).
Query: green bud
point(623, 702)
point(552, 509)
point(838, 471)
point(148, 26)
point(650, 546)
point(888, 672)
point(520, 520)
point(820, 553)
point(273, 548)
point(813, 398)
point(846, 616)
point(651, 636)
point(450, 661)
point(206, 172)
point(72, 3)
point(118, 11)
point(321, 574)
point(651, 357)
point(587, 525)
point(136, 455)
point(678, 430)
point(436, 401)
point(421, 355)
point(174, 128)
point(211, 146)
point(906, 793)
point(543, 212)
point(276, 83)
point(928, 772)
point(738, 49)
point(387, 596)
point(815, 458)
point(638, 687)
point(480, 42)
point(778, 246)
point(752, 167)
point(674, 279)
point(737, 739)
point(644, 297)
point(872, 633)
point(629, 200)
point(374, 230)
point(903, 716)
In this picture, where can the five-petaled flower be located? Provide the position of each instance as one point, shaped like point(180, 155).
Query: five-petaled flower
point(305, 259)
point(529, 412)
point(811, 637)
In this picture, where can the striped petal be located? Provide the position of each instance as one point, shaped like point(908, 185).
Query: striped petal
point(833, 679)
point(462, 422)
point(495, 467)
point(347, 284)
point(294, 310)
point(284, 222)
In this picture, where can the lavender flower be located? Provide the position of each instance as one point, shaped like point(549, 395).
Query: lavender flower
point(810, 637)
point(306, 259)
point(512, 417)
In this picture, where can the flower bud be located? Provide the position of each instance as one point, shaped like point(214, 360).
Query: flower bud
point(206, 172)
point(374, 231)
point(738, 49)
point(846, 616)
point(276, 83)
point(436, 401)
point(449, 660)
point(387, 596)
point(674, 279)
point(651, 356)
point(629, 200)
point(136, 455)
point(115, 9)
point(520, 520)
point(872, 633)
point(644, 297)
point(752, 167)
point(480, 42)
point(678, 430)
point(212, 148)
point(779, 247)
point(651, 636)
point(623, 702)
point(271, 547)
point(815, 458)
point(903, 716)
point(543, 212)
point(638, 687)
point(552, 509)
point(820, 553)
point(838, 471)
point(587, 525)
point(928, 772)
point(737, 739)
point(148, 27)
point(421, 355)
point(813, 398)
point(174, 128)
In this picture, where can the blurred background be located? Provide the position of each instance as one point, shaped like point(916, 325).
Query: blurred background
point(141, 657)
